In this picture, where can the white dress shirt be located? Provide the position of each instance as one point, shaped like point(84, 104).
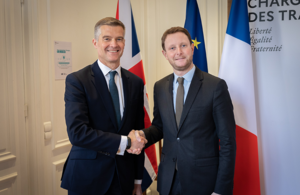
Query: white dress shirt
point(186, 85)
point(118, 80)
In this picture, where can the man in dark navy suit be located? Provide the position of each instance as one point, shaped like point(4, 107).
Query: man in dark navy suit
point(103, 103)
point(193, 113)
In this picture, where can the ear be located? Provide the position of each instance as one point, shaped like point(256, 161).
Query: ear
point(192, 47)
point(94, 43)
point(164, 53)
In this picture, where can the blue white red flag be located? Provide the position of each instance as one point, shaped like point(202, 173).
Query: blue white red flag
point(132, 61)
point(237, 70)
point(194, 25)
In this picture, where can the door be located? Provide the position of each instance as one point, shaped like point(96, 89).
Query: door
point(13, 152)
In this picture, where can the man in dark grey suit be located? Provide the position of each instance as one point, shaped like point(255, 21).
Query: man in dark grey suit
point(193, 113)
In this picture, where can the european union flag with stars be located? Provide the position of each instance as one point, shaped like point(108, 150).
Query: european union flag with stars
point(194, 25)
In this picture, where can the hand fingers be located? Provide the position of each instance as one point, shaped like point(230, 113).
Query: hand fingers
point(136, 151)
point(145, 140)
point(133, 151)
point(137, 135)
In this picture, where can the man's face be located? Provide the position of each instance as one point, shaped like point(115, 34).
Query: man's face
point(178, 51)
point(110, 45)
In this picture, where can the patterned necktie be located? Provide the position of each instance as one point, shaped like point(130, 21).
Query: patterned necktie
point(179, 100)
point(115, 96)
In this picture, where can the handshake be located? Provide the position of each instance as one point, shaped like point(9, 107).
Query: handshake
point(138, 141)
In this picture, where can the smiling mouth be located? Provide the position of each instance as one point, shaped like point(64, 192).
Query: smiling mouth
point(115, 51)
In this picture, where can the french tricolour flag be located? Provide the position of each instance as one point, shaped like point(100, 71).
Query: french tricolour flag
point(237, 70)
point(132, 61)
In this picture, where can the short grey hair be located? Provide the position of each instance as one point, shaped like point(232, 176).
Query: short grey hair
point(110, 21)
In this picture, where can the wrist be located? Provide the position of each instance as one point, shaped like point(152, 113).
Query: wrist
point(128, 143)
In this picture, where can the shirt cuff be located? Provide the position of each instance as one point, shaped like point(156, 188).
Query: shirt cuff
point(138, 181)
point(123, 145)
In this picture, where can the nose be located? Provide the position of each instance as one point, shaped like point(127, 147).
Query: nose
point(113, 43)
point(178, 51)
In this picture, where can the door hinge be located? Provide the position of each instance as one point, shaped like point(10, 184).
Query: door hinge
point(25, 110)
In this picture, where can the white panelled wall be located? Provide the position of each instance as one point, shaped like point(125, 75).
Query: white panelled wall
point(41, 160)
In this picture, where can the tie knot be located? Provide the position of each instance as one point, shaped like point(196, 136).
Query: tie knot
point(112, 74)
point(180, 80)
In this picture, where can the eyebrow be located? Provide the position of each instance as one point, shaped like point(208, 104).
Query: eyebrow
point(174, 45)
point(107, 36)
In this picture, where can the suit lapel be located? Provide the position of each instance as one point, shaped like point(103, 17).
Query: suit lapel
point(171, 102)
point(101, 86)
point(126, 90)
point(192, 93)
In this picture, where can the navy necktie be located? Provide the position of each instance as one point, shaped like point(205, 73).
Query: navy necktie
point(115, 96)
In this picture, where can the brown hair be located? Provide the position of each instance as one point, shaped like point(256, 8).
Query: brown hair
point(110, 21)
point(172, 31)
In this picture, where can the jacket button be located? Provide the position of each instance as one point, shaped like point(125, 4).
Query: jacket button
point(178, 139)
point(174, 159)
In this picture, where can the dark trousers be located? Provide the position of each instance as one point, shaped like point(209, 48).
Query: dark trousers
point(114, 188)
point(176, 187)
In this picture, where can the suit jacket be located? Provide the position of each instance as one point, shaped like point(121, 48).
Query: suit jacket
point(92, 129)
point(207, 123)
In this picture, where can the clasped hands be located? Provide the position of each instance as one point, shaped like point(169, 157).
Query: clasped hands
point(138, 141)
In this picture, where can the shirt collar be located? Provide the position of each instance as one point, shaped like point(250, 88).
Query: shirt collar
point(188, 76)
point(106, 69)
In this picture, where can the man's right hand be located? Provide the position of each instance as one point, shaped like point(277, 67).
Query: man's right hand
point(138, 142)
point(140, 135)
